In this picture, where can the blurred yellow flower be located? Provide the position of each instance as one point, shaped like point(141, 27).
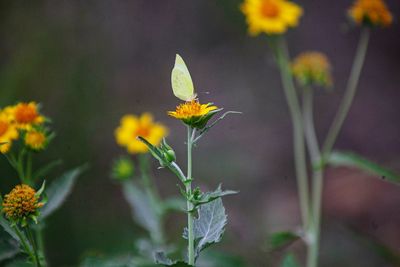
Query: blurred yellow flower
point(369, 12)
point(27, 115)
point(132, 126)
point(312, 68)
point(21, 203)
point(36, 140)
point(270, 16)
point(8, 132)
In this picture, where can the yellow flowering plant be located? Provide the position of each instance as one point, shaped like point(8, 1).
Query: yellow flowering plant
point(24, 133)
point(313, 69)
point(149, 210)
point(209, 225)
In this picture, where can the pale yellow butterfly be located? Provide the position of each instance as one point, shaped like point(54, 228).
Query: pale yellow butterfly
point(182, 84)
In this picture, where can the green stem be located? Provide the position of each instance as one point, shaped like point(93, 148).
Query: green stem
point(349, 94)
point(33, 244)
point(190, 134)
point(153, 195)
point(317, 179)
point(298, 134)
point(28, 172)
point(25, 246)
point(40, 243)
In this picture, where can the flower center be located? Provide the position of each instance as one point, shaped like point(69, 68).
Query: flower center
point(142, 131)
point(25, 114)
point(269, 9)
point(3, 127)
point(36, 139)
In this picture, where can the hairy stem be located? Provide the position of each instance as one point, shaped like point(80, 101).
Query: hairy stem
point(190, 134)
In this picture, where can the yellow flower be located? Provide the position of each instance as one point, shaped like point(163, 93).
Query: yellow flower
point(21, 203)
point(369, 12)
point(270, 16)
point(193, 113)
point(132, 126)
point(27, 115)
point(36, 140)
point(312, 68)
point(8, 133)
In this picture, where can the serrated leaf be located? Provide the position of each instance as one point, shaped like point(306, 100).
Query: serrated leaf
point(289, 261)
point(59, 190)
point(209, 226)
point(211, 196)
point(279, 240)
point(161, 258)
point(142, 211)
point(349, 159)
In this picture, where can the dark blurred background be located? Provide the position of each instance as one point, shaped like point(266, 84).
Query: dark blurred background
point(90, 62)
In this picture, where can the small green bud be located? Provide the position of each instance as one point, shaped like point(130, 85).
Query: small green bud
point(123, 169)
point(170, 155)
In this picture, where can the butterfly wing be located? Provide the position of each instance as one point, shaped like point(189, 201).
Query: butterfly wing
point(182, 84)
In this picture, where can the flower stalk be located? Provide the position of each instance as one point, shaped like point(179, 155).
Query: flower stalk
point(298, 133)
point(319, 159)
point(349, 94)
point(190, 135)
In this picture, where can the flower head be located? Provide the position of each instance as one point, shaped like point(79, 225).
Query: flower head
point(370, 12)
point(132, 126)
point(270, 16)
point(193, 113)
point(27, 115)
point(8, 132)
point(312, 68)
point(21, 203)
point(123, 168)
point(36, 139)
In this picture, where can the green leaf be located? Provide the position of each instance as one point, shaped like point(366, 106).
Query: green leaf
point(209, 226)
point(174, 204)
point(180, 264)
point(289, 261)
point(8, 249)
point(212, 258)
point(40, 173)
point(279, 240)
point(7, 227)
point(162, 260)
point(142, 210)
point(59, 190)
point(349, 159)
point(211, 196)
point(41, 189)
point(155, 151)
